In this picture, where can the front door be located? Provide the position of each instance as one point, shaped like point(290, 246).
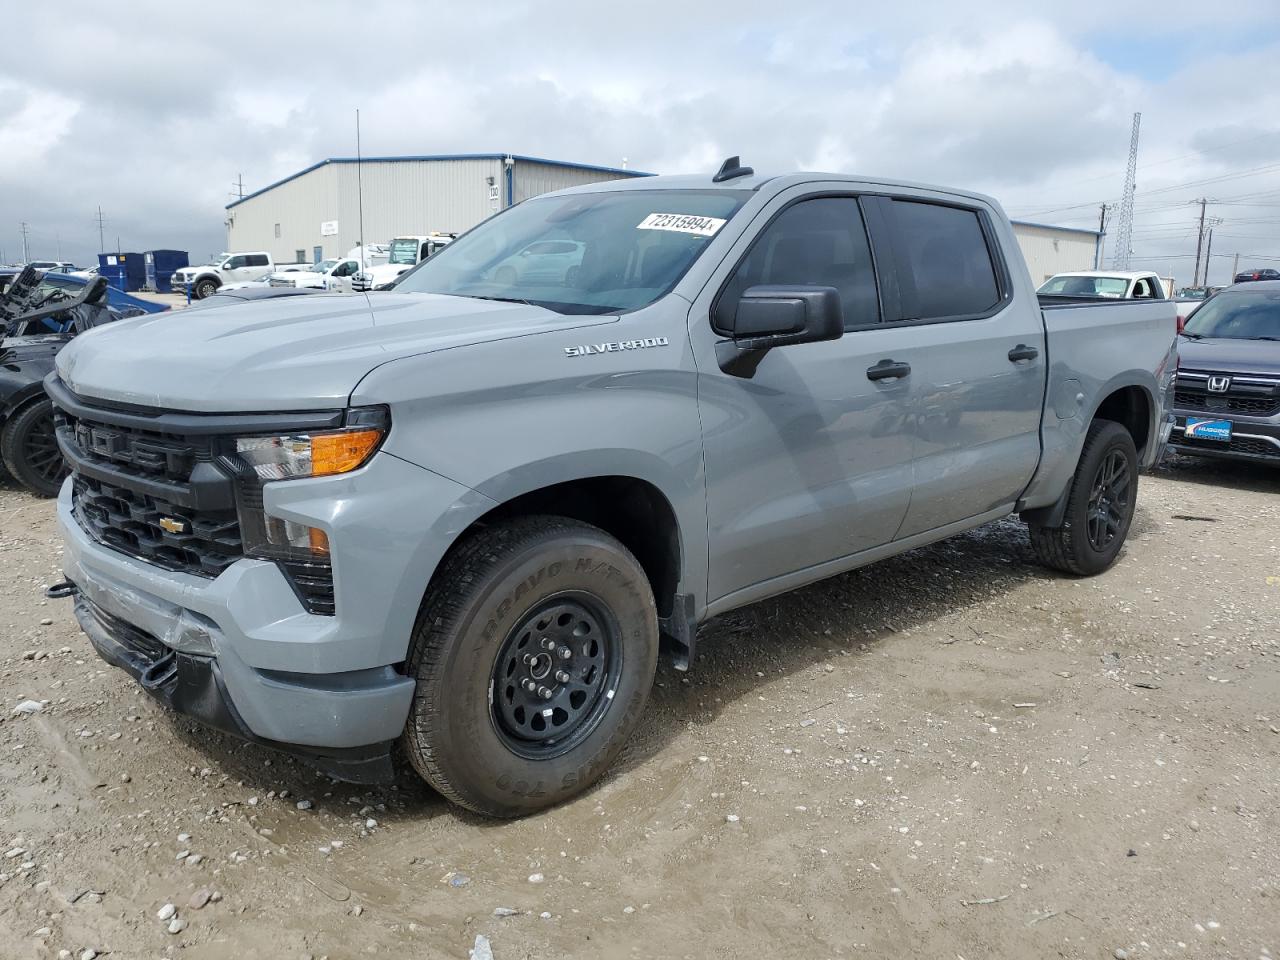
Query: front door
point(807, 460)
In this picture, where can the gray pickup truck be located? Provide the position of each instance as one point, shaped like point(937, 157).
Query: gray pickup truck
point(461, 516)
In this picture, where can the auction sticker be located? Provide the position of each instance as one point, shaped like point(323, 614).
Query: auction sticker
point(682, 223)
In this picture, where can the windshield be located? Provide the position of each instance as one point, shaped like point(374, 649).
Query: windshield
point(587, 253)
point(1237, 315)
point(1111, 287)
point(404, 251)
point(324, 266)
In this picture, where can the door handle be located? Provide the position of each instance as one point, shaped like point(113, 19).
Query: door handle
point(888, 370)
point(1023, 352)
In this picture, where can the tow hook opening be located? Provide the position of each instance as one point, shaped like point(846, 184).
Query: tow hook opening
point(61, 590)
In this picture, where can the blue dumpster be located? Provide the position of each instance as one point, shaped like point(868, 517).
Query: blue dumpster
point(124, 271)
point(160, 265)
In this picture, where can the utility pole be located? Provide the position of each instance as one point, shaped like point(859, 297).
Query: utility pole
point(1208, 248)
point(238, 183)
point(102, 244)
point(1102, 237)
point(24, 228)
point(1235, 267)
point(1195, 277)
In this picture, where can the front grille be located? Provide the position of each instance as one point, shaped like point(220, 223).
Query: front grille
point(1237, 444)
point(1216, 403)
point(153, 495)
point(201, 542)
point(163, 487)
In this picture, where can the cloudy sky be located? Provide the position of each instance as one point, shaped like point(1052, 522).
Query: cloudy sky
point(153, 112)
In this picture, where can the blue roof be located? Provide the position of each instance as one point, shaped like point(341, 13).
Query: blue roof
point(618, 171)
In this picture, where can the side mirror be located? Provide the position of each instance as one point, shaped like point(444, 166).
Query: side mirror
point(777, 316)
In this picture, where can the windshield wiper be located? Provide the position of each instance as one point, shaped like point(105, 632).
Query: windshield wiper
point(476, 296)
point(1193, 336)
point(1260, 338)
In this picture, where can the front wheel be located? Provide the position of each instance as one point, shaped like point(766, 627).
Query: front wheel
point(1100, 505)
point(205, 288)
point(29, 448)
point(534, 653)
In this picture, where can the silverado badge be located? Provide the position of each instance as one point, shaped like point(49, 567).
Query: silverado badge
point(173, 525)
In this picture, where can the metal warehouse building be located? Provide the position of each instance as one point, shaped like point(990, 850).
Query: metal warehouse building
point(316, 212)
point(1049, 250)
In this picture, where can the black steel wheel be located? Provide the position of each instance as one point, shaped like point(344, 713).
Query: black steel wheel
point(29, 447)
point(1099, 508)
point(553, 674)
point(533, 656)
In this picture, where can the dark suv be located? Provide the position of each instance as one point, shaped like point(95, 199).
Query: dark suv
point(1227, 399)
point(1265, 273)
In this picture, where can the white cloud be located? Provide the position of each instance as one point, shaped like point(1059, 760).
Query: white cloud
point(155, 123)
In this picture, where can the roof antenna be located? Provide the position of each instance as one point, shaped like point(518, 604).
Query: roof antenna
point(731, 169)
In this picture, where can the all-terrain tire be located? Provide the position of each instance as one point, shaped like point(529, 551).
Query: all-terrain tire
point(469, 652)
point(29, 450)
point(1071, 547)
point(205, 288)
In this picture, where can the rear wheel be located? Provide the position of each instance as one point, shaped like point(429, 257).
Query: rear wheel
point(29, 448)
point(1100, 505)
point(534, 654)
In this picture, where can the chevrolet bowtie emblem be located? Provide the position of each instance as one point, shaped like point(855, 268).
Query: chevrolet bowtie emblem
point(173, 525)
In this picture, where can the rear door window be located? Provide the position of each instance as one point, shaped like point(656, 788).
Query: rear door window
point(820, 242)
point(944, 264)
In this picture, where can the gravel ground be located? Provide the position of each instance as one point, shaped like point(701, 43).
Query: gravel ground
point(952, 754)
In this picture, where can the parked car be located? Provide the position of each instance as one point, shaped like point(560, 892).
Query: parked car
point(69, 285)
point(340, 275)
point(1106, 285)
point(205, 280)
point(29, 317)
point(547, 261)
point(459, 515)
point(1227, 402)
point(1261, 273)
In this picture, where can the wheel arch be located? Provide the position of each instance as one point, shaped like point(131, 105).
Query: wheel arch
point(1126, 401)
point(634, 509)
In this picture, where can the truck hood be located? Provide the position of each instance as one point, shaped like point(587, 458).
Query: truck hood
point(294, 353)
point(1234, 356)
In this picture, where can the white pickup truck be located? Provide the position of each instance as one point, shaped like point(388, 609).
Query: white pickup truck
point(206, 280)
point(1108, 285)
point(336, 275)
point(407, 252)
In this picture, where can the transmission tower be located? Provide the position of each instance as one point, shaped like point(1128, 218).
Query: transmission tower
point(1124, 223)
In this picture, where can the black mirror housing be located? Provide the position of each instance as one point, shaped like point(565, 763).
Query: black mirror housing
point(780, 314)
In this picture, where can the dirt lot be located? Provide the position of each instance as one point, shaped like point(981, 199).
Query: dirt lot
point(953, 754)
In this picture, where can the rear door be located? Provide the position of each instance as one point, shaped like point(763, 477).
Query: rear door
point(807, 459)
point(976, 355)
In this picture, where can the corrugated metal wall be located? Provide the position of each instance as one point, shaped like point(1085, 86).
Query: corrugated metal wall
point(1049, 250)
point(532, 179)
point(401, 198)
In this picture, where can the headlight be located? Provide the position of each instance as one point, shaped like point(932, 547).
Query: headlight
point(301, 550)
point(308, 455)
